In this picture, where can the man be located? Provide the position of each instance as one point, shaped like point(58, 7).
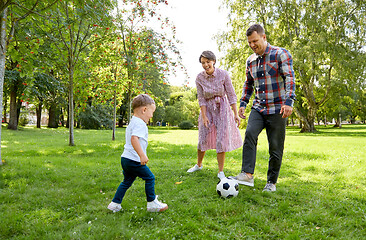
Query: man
point(270, 73)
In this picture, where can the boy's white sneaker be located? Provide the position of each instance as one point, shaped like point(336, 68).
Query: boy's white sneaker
point(194, 168)
point(156, 206)
point(115, 207)
point(221, 175)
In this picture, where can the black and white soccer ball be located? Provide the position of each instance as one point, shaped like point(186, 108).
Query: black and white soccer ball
point(227, 188)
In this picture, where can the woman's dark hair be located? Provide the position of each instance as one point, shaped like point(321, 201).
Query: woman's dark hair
point(255, 28)
point(209, 55)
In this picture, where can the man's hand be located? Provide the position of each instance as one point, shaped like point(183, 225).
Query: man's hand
point(242, 112)
point(286, 111)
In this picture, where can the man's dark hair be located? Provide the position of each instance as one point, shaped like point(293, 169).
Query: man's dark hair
point(255, 28)
point(209, 55)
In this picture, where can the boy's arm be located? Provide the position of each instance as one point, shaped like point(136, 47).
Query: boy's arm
point(136, 145)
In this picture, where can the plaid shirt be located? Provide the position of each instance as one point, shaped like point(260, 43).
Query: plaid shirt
point(272, 76)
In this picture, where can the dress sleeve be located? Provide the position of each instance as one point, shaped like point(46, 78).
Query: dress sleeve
point(201, 99)
point(229, 89)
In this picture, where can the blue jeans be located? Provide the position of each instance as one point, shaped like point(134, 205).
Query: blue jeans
point(131, 170)
point(275, 127)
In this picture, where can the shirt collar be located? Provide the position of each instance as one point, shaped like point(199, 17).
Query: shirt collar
point(266, 52)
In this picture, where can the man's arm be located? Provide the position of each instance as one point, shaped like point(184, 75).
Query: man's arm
point(247, 91)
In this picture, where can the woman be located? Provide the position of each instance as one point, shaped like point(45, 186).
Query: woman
point(217, 124)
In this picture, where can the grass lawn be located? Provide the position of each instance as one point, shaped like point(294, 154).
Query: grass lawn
point(49, 190)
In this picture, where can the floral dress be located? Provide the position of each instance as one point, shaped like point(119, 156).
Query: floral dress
point(217, 93)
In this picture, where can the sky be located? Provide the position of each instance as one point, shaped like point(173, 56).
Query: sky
point(196, 21)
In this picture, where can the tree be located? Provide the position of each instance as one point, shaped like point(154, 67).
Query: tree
point(145, 51)
point(21, 11)
point(46, 90)
point(73, 27)
point(16, 86)
point(324, 37)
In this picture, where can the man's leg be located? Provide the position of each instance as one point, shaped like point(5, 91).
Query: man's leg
point(254, 128)
point(276, 131)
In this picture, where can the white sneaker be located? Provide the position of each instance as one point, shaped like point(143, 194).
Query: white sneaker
point(244, 179)
point(194, 168)
point(115, 207)
point(156, 206)
point(221, 175)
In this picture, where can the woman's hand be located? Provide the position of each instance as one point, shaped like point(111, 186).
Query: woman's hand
point(205, 121)
point(237, 120)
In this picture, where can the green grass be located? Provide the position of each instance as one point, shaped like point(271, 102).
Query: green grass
point(49, 190)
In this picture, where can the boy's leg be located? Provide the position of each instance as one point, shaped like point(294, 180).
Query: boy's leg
point(144, 172)
point(276, 131)
point(254, 128)
point(129, 178)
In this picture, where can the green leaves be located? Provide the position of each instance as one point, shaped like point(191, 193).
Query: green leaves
point(324, 38)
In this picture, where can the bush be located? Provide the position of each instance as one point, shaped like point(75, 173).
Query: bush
point(23, 120)
point(186, 125)
point(96, 117)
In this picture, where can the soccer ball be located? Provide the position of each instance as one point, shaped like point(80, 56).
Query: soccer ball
point(227, 188)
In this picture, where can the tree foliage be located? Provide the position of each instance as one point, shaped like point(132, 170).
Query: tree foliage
point(324, 37)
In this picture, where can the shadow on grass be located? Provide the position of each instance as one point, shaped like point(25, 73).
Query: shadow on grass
point(322, 131)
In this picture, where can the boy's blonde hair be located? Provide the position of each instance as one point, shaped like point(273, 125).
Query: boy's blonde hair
point(142, 100)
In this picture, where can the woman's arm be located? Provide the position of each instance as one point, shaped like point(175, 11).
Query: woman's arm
point(236, 117)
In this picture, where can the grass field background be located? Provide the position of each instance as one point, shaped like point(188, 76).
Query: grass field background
point(49, 190)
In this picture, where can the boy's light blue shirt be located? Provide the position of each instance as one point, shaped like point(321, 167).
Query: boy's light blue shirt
point(137, 127)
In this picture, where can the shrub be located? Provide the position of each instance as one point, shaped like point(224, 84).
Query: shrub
point(186, 125)
point(23, 120)
point(96, 117)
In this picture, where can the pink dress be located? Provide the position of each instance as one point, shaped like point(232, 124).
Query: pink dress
point(217, 93)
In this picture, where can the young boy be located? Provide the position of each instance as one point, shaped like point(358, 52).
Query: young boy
point(134, 159)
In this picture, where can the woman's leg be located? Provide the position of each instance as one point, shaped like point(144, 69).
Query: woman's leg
point(200, 155)
point(221, 161)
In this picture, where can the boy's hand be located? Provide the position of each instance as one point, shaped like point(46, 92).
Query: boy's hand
point(144, 160)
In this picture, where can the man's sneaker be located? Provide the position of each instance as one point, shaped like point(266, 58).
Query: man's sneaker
point(115, 207)
point(221, 175)
point(244, 179)
point(194, 168)
point(270, 187)
point(156, 206)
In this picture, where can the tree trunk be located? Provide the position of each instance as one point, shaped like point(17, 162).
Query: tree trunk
point(52, 116)
point(39, 114)
point(13, 118)
point(308, 124)
point(325, 120)
point(120, 117)
point(3, 47)
point(62, 117)
point(19, 106)
point(71, 105)
point(114, 115)
point(5, 108)
point(67, 119)
point(340, 120)
point(308, 120)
